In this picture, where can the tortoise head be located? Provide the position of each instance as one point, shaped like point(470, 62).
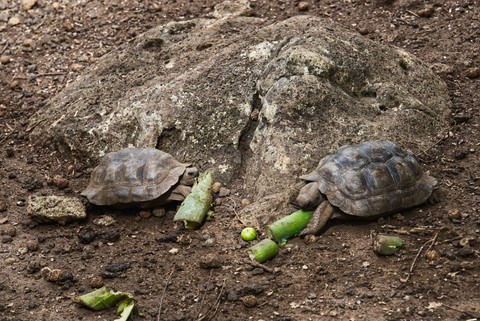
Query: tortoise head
point(309, 196)
point(188, 177)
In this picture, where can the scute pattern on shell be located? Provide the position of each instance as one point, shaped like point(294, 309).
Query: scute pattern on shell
point(133, 175)
point(372, 178)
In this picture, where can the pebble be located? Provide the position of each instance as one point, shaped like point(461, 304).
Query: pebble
point(210, 261)
point(77, 67)
point(249, 301)
point(333, 313)
point(10, 260)
point(245, 202)
point(5, 59)
point(32, 245)
point(223, 192)
point(426, 12)
point(27, 4)
point(473, 73)
point(60, 182)
point(310, 239)
point(3, 206)
point(216, 187)
point(431, 255)
point(8, 229)
point(159, 212)
point(145, 214)
point(454, 214)
point(13, 21)
point(97, 282)
point(173, 251)
point(33, 267)
point(104, 220)
point(303, 6)
point(22, 250)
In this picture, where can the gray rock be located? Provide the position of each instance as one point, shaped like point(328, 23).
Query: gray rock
point(60, 209)
point(255, 100)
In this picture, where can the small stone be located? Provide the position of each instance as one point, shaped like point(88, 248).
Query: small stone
point(27, 4)
point(3, 206)
point(28, 43)
point(426, 12)
point(310, 239)
point(216, 187)
point(60, 182)
point(50, 275)
point(3, 110)
point(10, 260)
point(223, 192)
point(22, 250)
point(249, 301)
point(303, 6)
point(97, 282)
point(245, 202)
point(311, 296)
point(145, 214)
point(173, 251)
point(14, 84)
point(104, 220)
point(454, 214)
point(8, 229)
point(77, 67)
point(32, 245)
point(333, 313)
point(210, 261)
point(473, 73)
point(5, 59)
point(13, 21)
point(431, 255)
point(159, 212)
point(33, 267)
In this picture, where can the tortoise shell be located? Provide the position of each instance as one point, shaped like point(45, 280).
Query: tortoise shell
point(372, 178)
point(133, 176)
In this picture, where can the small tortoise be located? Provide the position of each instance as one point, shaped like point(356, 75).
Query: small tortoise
point(139, 177)
point(365, 180)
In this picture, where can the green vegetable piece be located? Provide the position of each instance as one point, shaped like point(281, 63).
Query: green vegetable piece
point(248, 234)
point(387, 245)
point(125, 309)
point(101, 299)
point(194, 208)
point(289, 226)
point(263, 251)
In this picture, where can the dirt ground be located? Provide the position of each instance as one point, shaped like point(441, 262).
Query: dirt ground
point(338, 276)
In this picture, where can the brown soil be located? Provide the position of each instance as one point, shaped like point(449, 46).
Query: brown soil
point(336, 277)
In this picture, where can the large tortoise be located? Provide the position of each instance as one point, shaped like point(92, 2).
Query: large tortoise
point(139, 177)
point(365, 180)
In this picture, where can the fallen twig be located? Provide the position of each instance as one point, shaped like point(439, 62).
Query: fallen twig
point(4, 48)
point(163, 295)
point(216, 305)
point(470, 314)
point(259, 265)
point(203, 297)
point(433, 240)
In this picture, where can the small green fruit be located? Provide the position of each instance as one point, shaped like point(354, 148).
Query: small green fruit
point(248, 234)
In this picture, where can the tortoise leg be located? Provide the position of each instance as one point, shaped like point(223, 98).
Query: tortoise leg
point(320, 217)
